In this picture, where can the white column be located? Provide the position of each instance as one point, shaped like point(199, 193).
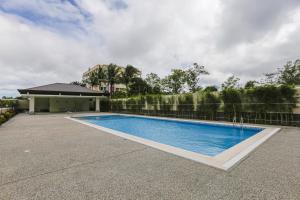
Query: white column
point(31, 105)
point(97, 104)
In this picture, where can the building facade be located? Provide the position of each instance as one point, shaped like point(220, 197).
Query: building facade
point(104, 86)
point(62, 97)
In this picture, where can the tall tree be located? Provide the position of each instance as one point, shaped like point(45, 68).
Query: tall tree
point(250, 84)
point(129, 74)
point(101, 74)
point(290, 73)
point(231, 83)
point(154, 83)
point(138, 86)
point(92, 79)
point(78, 83)
point(113, 75)
point(193, 76)
point(175, 81)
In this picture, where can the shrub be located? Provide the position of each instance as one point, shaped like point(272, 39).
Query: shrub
point(104, 105)
point(2, 119)
point(166, 103)
point(209, 103)
point(232, 100)
point(185, 102)
point(116, 105)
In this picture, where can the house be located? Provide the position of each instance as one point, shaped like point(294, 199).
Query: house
point(62, 97)
point(103, 87)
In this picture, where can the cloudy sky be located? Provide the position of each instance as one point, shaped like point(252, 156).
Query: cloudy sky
point(46, 41)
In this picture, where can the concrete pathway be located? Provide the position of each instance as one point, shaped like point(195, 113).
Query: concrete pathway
point(49, 157)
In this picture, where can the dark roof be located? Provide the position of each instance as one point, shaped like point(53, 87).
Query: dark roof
point(61, 89)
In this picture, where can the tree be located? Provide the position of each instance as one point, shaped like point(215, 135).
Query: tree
point(290, 73)
point(129, 74)
point(211, 89)
point(192, 76)
point(113, 76)
point(78, 83)
point(92, 79)
point(232, 100)
point(101, 74)
point(231, 82)
point(271, 78)
point(209, 103)
point(250, 84)
point(154, 83)
point(175, 81)
point(138, 86)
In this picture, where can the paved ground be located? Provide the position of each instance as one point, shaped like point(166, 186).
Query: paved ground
point(49, 157)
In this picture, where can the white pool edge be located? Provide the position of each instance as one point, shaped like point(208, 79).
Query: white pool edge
point(224, 161)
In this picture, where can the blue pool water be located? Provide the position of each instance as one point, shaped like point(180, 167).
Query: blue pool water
point(207, 139)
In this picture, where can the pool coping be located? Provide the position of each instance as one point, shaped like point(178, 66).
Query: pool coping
point(224, 160)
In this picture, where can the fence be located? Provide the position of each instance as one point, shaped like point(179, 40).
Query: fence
point(190, 111)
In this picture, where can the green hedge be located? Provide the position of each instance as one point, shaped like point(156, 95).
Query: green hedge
point(259, 99)
point(6, 116)
point(4, 103)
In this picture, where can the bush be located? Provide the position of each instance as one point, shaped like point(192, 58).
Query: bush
point(2, 119)
point(232, 100)
point(185, 102)
point(6, 116)
point(270, 98)
point(104, 105)
point(116, 105)
point(166, 103)
point(209, 103)
point(7, 103)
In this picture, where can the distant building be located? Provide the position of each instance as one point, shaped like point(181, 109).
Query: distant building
point(62, 97)
point(104, 86)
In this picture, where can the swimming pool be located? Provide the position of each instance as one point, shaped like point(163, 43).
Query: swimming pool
point(216, 144)
point(207, 139)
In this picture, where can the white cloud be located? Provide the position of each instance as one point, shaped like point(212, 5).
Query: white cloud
point(152, 35)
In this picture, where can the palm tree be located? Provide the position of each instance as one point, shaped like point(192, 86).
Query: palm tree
point(129, 74)
point(92, 80)
point(101, 75)
point(113, 75)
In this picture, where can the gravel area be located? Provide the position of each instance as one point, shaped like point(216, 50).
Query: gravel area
point(50, 157)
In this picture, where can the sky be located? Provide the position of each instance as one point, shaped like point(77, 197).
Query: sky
point(47, 41)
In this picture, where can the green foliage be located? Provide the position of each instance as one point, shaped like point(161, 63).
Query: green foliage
point(232, 100)
point(209, 103)
point(116, 104)
point(211, 89)
point(138, 86)
point(78, 83)
point(2, 119)
point(185, 102)
point(231, 83)
point(270, 98)
point(113, 75)
point(250, 84)
point(6, 116)
point(166, 102)
point(104, 105)
point(174, 82)
point(118, 95)
point(290, 73)
point(129, 74)
point(154, 83)
point(192, 76)
point(8, 103)
point(132, 104)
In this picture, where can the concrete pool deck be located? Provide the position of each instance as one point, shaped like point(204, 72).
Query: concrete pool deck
point(50, 157)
